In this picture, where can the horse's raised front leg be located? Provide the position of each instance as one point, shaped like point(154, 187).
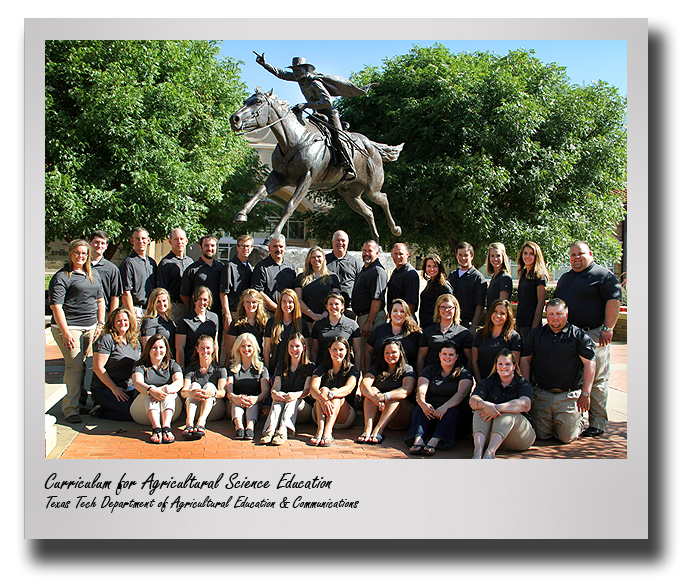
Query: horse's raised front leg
point(300, 190)
point(381, 199)
point(273, 183)
point(352, 195)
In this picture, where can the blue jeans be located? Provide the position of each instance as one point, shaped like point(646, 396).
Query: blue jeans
point(111, 408)
point(444, 429)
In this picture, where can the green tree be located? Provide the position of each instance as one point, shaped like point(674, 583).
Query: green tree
point(496, 149)
point(137, 134)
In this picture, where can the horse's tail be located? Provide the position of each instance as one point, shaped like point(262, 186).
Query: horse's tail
point(388, 152)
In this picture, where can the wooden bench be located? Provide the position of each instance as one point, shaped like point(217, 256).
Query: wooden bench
point(53, 394)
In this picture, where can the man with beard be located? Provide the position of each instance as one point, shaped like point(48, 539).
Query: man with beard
point(368, 299)
point(559, 360)
point(207, 272)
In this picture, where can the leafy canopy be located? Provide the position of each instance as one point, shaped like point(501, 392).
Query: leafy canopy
point(137, 134)
point(497, 148)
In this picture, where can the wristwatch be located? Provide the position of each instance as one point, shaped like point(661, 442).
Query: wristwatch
point(330, 395)
point(606, 328)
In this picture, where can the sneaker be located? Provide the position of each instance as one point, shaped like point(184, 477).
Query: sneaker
point(266, 438)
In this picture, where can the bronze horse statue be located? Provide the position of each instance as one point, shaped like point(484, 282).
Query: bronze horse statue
point(303, 159)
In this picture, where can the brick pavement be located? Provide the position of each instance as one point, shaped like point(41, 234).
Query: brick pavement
point(104, 439)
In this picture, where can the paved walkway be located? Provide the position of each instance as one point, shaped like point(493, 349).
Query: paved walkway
point(104, 439)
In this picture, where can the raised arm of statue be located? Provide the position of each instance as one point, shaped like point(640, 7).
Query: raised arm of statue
point(279, 73)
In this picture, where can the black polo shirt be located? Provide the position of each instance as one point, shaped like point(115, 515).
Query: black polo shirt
point(440, 388)
point(193, 327)
point(78, 296)
point(236, 278)
point(500, 282)
point(295, 381)
point(159, 325)
point(427, 304)
point(247, 382)
point(404, 283)
point(347, 268)
point(470, 291)
point(490, 347)
point(237, 328)
point(371, 284)
point(324, 332)
point(492, 390)
point(272, 278)
point(120, 360)
point(169, 274)
point(316, 290)
point(389, 383)
point(556, 357)
point(277, 352)
point(138, 275)
point(527, 298)
point(383, 332)
point(110, 277)
point(432, 337)
point(199, 274)
point(586, 294)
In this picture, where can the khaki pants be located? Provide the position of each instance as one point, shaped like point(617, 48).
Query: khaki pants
point(380, 318)
point(597, 413)
point(556, 415)
point(516, 430)
point(75, 367)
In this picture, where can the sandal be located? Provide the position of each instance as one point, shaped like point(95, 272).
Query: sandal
point(315, 441)
point(429, 450)
point(167, 436)
point(156, 436)
point(199, 431)
point(416, 449)
point(188, 432)
point(376, 439)
point(326, 441)
point(363, 438)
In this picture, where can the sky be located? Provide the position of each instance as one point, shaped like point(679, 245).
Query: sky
point(585, 61)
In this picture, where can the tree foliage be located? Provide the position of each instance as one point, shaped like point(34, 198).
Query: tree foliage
point(497, 148)
point(137, 134)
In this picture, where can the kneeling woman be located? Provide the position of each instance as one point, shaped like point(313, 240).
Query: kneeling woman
point(291, 384)
point(498, 403)
point(204, 389)
point(441, 388)
point(247, 385)
point(385, 388)
point(331, 386)
point(158, 378)
point(115, 352)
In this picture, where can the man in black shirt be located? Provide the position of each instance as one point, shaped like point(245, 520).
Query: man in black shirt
point(171, 269)
point(404, 282)
point(346, 266)
point(559, 360)
point(108, 272)
point(236, 278)
point(593, 296)
point(204, 272)
point(138, 273)
point(368, 299)
point(273, 274)
point(469, 287)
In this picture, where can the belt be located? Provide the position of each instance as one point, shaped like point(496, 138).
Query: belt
point(560, 390)
point(361, 313)
point(590, 328)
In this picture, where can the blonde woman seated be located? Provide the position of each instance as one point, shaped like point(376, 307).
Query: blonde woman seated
point(331, 386)
point(204, 389)
point(158, 378)
point(499, 402)
point(291, 384)
point(247, 385)
point(385, 388)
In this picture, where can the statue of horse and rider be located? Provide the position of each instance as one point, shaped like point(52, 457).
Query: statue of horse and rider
point(315, 152)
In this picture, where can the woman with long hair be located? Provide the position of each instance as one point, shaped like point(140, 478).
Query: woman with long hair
point(203, 390)
point(446, 327)
point(247, 385)
point(158, 318)
point(78, 309)
point(532, 287)
point(433, 271)
point(287, 320)
point(291, 384)
point(158, 378)
point(313, 284)
point(385, 389)
point(499, 403)
point(115, 352)
point(402, 327)
point(251, 318)
point(496, 334)
point(198, 321)
point(441, 388)
point(331, 386)
point(499, 268)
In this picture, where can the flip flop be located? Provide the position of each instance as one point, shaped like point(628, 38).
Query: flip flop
point(363, 438)
point(416, 449)
point(188, 432)
point(156, 436)
point(199, 431)
point(376, 439)
point(429, 450)
point(315, 441)
point(326, 441)
point(166, 433)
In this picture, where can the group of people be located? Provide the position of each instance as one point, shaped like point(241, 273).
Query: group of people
point(266, 343)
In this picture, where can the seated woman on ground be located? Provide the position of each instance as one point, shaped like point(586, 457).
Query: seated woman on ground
point(251, 318)
point(247, 385)
point(158, 318)
point(499, 402)
point(204, 389)
point(291, 385)
point(331, 386)
point(496, 334)
point(287, 320)
point(441, 388)
point(385, 389)
point(401, 327)
point(158, 378)
point(115, 352)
